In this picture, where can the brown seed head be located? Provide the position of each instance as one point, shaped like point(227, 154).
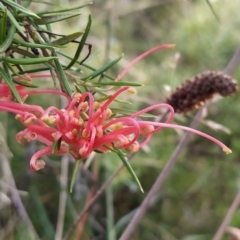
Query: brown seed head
point(195, 92)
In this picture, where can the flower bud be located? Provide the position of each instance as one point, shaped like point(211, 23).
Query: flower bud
point(146, 130)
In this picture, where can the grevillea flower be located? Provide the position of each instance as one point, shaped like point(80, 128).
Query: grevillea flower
point(86, 125)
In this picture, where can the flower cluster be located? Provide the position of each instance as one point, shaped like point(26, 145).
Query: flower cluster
point(85, 125)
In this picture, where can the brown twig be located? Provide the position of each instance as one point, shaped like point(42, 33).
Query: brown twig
point(90, 195)
point(62, 198)
point(81, 224)
point(227, 218)
point(15, 196)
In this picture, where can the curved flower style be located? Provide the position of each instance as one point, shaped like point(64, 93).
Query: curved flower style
point(86, 125)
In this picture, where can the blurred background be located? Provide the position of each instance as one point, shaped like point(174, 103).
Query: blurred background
point(202, 185)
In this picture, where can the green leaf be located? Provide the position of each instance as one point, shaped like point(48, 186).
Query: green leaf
point(21, 8)
point(129, 168)
point(102, 69)
point(56, 145)
point(9, 82)
point(62, 76)
point(67, 39)
point(128, 112)
point(65, 9)
point(37, 1)
point(81, 44)
point(28, 3)
point(99, 84)
point(8, 40)
point(101, 92)
point(85, 65)
point(3, 24)
point(57, 18)
point(27, 61)
point(31, 55)
point(74, 174)
point(12, 19)
point(35, 70)
point(25, 84)
point(23, 52)
point(17, 81)
point(32, 45)
point(212, 9)
point(41, 211)
point(59, 69)
point(91, 68)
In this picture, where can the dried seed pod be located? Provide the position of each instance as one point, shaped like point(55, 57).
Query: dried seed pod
point(195, 92)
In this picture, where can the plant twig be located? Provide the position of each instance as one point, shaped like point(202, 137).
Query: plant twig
point(233, 62)
point(227, 218)
point(16, 197)
point(81, 223)
point(63, 194)
point(62, 198)
point(91, 193)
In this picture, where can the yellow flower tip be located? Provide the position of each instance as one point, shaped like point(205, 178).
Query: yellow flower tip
point(40, 164)
point(45, 119)
point(51, 120)
point(27, 122)
point(117, 126)
point(172, 46)
point(85, 133)
point(76, 95)
point(24, 141)
point(71, 113)
point(227, 150)
point(96, 105)
point(18, 117)
point(84, 106)
point(80, 122)
point(74, 131)
point(108, 113)
point(131, 90)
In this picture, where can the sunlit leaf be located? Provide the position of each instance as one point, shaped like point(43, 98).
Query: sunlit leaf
point(119, 84)
point(27, 61)
point(8, 40)
point(21, 8)
point(12, 19)
point(64, 9)
point(67, 39)
point(102, 69)
point(74, 174)
point(51, 19)
point(81, 44)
